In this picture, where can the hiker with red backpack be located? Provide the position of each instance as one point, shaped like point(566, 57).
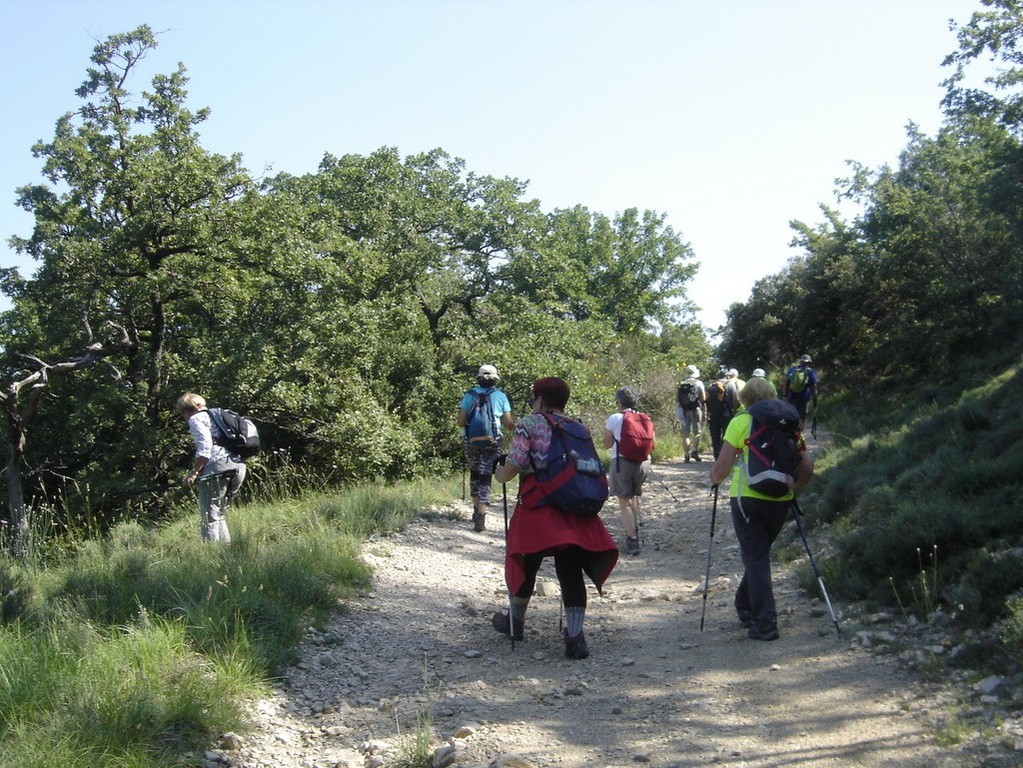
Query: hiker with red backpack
point(630, 436)
point(482, 412)
point(539, 528)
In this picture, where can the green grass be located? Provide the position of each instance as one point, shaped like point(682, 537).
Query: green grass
point(143, 645)
point(923, 475)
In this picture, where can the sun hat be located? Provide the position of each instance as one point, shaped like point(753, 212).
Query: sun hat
point(693, 371)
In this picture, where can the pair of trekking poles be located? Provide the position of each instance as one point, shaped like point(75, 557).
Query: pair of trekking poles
point(797, 513)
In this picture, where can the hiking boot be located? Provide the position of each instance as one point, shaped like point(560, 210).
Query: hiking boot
point(632, 545)
point(687, 458)
point(575, 647)
point(500, 623)
point(479, 521)
point(696, 455)
point(769, 632)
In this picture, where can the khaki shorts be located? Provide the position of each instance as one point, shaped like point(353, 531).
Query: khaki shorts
point(626, 477)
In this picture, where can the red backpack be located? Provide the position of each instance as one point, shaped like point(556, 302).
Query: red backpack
point(637, 439)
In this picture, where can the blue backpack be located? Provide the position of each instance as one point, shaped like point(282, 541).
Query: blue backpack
point(574, 479)
point(480, 419)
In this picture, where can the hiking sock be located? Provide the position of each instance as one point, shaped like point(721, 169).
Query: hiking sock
point(574, 616)
point(518, 606)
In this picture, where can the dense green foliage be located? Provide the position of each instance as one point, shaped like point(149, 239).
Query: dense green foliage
point(345, 310)
point(144, 644)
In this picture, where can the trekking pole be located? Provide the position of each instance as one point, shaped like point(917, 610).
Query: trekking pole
point(797, 513)
point(673, 496)
point(710, 544)
point(504, 503)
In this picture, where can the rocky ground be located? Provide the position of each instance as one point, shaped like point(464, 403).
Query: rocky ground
point(417, 656)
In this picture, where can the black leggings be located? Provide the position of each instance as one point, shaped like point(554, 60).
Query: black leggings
point(568, 565)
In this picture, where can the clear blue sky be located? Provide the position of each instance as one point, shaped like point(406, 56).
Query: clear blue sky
point(732, 118)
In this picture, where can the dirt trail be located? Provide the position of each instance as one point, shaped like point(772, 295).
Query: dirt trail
point(655, 688)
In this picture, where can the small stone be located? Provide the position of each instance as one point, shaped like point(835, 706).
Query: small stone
point(445, 756)
point(628, 661)
point(472, 653)
point(231, 741)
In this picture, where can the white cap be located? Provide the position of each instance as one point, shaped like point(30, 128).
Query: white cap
point(759, 373)
point(487, 372)
point(693, 371)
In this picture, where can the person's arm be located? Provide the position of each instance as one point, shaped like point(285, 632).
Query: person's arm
point(609, 438)
point(507, 421)
point(723, 464)
point(463, 417)
point(505, 472)
point(803, 473)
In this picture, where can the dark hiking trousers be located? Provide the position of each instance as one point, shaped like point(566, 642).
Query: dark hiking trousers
point(568, 565)
point(756, 526)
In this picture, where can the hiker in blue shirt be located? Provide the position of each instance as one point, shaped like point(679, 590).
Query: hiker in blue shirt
point(800, 386)
point(483, 411)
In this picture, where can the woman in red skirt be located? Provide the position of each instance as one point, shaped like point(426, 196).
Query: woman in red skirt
point(579, 545)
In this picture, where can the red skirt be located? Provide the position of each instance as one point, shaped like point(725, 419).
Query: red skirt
point(545, 530)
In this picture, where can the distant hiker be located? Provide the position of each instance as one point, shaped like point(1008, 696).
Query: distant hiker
point(800, 386)
point(483, 411)
point(719, 411)
point(733, 386)
point(757, 518)
point(630, 436)
point(218, 474)
point(760, 373)
point(580, 545)
point(691, 412)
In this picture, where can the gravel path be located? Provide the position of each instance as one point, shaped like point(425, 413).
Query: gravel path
point(655, 689)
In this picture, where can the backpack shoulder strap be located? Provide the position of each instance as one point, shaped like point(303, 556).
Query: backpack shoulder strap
point(217, 418)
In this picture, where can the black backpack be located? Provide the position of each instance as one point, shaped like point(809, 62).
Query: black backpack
point(774, 448)
point(574, 479)
point(688, 395)
point(234, 432)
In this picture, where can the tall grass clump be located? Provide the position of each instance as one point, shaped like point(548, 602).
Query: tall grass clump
point(72, 695)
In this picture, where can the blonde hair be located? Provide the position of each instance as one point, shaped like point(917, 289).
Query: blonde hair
point(755, 390)
point(190, 402)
